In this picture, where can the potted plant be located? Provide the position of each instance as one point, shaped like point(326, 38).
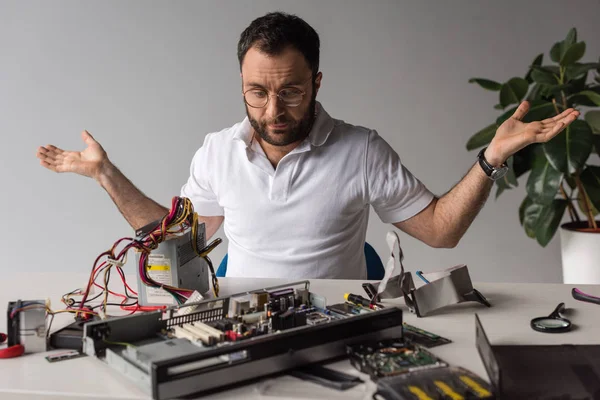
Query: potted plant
point(564, 173)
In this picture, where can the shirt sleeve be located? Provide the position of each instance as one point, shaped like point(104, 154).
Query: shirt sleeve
point(198, 188)
point(393, 191)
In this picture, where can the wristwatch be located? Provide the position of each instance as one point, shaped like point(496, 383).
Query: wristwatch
point(492, 172)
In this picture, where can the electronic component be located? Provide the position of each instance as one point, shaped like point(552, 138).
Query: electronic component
point(288, 319)
point(187, 308)
point(228, 340)
point(347, 309)
point(253, 318)
point(259, 300)
point(239, 305)
point(64, 355)
point(391, 357)
point(423, 337)
point(174, 263)
point(225, 324)
point(302, 296)
point(316, 318)
point(279, 300)
point(26, 322)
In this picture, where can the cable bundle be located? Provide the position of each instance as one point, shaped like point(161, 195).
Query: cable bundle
point(180, 218)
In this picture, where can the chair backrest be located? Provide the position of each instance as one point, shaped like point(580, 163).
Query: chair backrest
point(375, 268)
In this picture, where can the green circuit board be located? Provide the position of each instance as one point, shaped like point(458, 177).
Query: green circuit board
point(388, 358)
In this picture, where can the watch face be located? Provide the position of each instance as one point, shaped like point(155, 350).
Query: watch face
point(499, 173)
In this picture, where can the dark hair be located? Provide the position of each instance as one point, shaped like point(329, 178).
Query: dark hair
point(273, 32)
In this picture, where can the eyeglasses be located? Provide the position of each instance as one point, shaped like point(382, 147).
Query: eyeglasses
point(290, 97)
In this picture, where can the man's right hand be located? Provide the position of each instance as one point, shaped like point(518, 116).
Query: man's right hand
point(88, 162)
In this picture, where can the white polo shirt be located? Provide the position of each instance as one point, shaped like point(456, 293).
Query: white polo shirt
point(308, 217)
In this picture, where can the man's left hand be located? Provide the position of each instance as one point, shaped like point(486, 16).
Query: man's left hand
point(513, 134)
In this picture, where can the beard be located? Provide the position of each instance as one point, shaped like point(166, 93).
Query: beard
point(295, 131)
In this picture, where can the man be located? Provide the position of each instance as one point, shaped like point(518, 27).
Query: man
point(293, 185)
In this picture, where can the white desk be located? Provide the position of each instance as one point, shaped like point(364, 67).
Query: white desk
point(506, 322)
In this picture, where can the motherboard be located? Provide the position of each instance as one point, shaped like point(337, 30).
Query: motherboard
point(210, 344)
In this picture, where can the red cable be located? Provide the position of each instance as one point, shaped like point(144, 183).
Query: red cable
point(120, 271)
point(12, 351)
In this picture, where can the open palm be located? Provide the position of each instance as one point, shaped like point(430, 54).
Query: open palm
point(514, 134)
point(87, 162)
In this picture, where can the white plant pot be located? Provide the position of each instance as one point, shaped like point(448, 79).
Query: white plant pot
point(580, 255)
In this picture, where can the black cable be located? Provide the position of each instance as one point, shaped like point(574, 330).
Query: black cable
point(77, 303)
point(124, 285)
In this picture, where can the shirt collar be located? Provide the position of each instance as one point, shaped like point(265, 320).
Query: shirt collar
point(318, 135)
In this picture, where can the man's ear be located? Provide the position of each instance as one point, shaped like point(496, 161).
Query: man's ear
point(318, 81)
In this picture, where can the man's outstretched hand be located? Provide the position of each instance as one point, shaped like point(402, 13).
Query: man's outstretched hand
point(88, 162)
point(513, 134)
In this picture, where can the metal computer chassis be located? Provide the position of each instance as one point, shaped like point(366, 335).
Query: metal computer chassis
point(224, 365)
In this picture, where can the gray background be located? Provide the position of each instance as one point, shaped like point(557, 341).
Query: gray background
point(150, 79)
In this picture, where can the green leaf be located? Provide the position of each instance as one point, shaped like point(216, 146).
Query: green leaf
point(502, 186)
point(513, 91)
point(569, 41)
point(535, 93)
point(529, 216)
point(578, 84)
point(593, 119)
point(573, 71)
point(510, 176)
point(593, 96)
point(555, 91)
point(571, 182)
point(552, 69)
point(549, 220)
point(538, 110)
point(580, 99)
point(486, 84)
point(573, 54)
point(569, 150)
point(571, 38)
point(590, 179)
point(523, 159)
point(543, 182)
point(555, 52)
point(536, 62)
point(543, 76)
point(499, 107)
point(482, 137)
point(526, 201)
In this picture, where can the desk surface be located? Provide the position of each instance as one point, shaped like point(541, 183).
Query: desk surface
point(506, 322)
